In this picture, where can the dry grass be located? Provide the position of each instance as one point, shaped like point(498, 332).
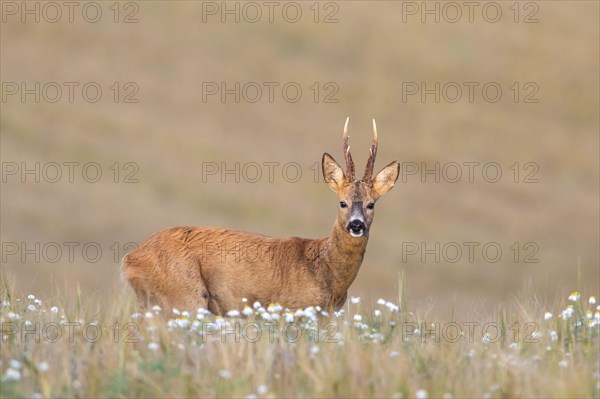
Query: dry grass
point(367, 350)
point(170, 132)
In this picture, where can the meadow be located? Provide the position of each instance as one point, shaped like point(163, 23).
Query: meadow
point(481, 278)
point(67, 345)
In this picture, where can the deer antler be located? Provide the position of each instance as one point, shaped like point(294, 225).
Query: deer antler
point(347, 155)
point(372, 154)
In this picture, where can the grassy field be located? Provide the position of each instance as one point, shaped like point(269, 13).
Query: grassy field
point(67, 345)
point(153, 154)
point(170, 133)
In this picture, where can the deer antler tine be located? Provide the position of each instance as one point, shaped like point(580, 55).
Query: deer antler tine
point(347, 155)
point(372, 155)
point(374, 132)
point(346, 126)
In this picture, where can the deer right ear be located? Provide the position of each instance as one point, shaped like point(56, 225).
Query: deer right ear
point(332, 172)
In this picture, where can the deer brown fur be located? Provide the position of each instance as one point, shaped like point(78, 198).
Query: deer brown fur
point(214, 268)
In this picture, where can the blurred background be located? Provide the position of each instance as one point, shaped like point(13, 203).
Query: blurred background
point(217, 114)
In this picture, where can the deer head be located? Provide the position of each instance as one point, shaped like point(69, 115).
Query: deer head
point(358, 197)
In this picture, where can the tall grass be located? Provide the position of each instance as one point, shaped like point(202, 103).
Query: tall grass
point(108, 347)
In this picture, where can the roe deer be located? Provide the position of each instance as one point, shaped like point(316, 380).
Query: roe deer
point(214, 268)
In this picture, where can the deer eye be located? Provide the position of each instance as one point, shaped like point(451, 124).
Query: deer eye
point(371, 205)
point(343, 204)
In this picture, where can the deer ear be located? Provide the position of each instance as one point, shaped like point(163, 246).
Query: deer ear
point(332, 172)
point(385, 180)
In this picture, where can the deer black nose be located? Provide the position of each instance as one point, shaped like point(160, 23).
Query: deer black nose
point(356, 227)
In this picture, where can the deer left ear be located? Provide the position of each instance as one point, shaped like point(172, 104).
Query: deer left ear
point(385, 180)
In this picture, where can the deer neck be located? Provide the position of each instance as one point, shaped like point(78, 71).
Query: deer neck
point(343, 254)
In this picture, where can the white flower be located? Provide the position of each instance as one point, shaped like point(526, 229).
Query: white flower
point(136, 315)
point(274, 308)
point(31, 297)
point(377, 313)
point(153, 346)
point(244, 300)
point(185, 313)
point(574, 296)
point(12, 374)
point(225, 374)
point(289, 318)
point(15, 364)
point(31, 307)
point(233, 313)
point(43, 367)
point(54, 309)
point(182, 323)
point(381, 301)
point(37, 301)
point(256, 305)
point(262, 390)
point(265, 316)
point(177, 312)
point(547, 316)
point(299, 313)
point(567, 313)
point(355, 299)
point(357, 317)
point(148, 315)
point(392, 307)
point(563, 363)
point(553, 335)
point(247, 311)
point(513, 345)
point(12, 315)
point(421, 394)
point(592, 300)
point(5, 303)
point(156, 308)
point(314, 350)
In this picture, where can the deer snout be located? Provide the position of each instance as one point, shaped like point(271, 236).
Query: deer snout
point(356, 228)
